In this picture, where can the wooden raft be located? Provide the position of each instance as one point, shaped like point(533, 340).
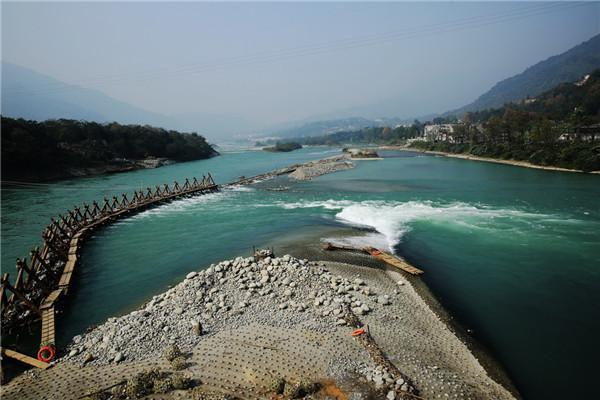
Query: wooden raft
point(387, 258)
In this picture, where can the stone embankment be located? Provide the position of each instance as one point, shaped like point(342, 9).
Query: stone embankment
point(314, 169)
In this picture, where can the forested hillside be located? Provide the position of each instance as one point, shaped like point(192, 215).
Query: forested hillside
point(543, 76)
point(560, 128)
point(63, 148)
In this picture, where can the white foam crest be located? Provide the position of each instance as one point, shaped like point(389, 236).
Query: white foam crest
point(393, 219)
point(240, 188)
point(327, 204)
point(181, 205)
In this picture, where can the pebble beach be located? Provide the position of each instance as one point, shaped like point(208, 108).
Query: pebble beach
point(246, 323)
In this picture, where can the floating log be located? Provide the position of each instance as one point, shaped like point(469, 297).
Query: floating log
point(24, 359)
point(387, 258)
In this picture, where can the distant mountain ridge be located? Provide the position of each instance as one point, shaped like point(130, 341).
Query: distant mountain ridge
point(541, 77)
point(34, 96)
point(330, 126)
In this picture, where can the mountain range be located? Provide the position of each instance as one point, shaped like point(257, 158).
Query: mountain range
point(32, 95)
point(539, 78)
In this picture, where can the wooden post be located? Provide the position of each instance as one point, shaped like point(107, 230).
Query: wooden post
point(87, 213)
point(31, 275)
point(115, 203)
point(57, 225)
point(176, 187)
point(78, 211)
point(56, 249)
point(3, 298)
point(19, 279)
point(36, 255)
point(20, 296)
point(124, 201)
point(75, 218)
point(95, 210)
point(186, 185)
point(106, 206)
point(195, 183)
point(149, 193)
point(167, 189)
point(158, 192)
point(69, 221)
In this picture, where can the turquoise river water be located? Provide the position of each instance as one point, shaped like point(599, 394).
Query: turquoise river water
point(512, 253)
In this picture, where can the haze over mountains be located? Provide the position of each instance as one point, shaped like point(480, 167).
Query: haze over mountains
point(32, 95)
point(541, 77)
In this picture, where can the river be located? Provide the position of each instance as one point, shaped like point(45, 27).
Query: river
point(512, 253)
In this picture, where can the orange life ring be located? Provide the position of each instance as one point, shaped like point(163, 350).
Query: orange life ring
point(358, 332)
point(46, 353)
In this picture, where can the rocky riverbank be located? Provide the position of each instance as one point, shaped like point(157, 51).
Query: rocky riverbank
point(304, 171)
point(245, 324)
point(314, 169)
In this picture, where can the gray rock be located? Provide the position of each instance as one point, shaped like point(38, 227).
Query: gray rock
point(191, 275)
point(119, 357)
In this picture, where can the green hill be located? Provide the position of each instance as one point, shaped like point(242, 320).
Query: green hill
point(62, 148)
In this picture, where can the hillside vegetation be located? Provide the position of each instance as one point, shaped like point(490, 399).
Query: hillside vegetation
point(545, 75)
point(63, 148)
point(558, 128)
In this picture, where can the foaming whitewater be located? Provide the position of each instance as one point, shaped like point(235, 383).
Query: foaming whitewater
point(393, 219)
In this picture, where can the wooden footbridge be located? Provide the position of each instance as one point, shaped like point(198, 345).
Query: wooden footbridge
point(47, 277)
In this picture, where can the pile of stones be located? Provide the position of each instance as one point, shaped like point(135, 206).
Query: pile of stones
point(385, 380)
point(285, 292)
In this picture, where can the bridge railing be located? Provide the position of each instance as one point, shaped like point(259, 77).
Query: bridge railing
point(41, 280)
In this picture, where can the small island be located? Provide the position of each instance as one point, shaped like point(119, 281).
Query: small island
point(362, 153)
point(284, 147)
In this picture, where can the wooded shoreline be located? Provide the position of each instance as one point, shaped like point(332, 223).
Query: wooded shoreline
point(471, 157)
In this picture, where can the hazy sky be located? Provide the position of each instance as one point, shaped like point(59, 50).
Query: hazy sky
point(272, 63)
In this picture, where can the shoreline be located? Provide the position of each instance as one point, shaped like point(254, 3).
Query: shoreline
point(310, 247)
point(99, 170)
point(462, 156)
point(243, 303)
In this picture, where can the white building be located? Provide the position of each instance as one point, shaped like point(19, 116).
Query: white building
point(439, 133)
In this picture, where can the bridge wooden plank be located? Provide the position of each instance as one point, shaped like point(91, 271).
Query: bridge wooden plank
point(48, 330)
point(65, 279)
point(24, 358)
point(52, 297)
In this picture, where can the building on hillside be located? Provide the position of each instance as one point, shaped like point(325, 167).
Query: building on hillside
point(584, 133)
point(439, 133)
